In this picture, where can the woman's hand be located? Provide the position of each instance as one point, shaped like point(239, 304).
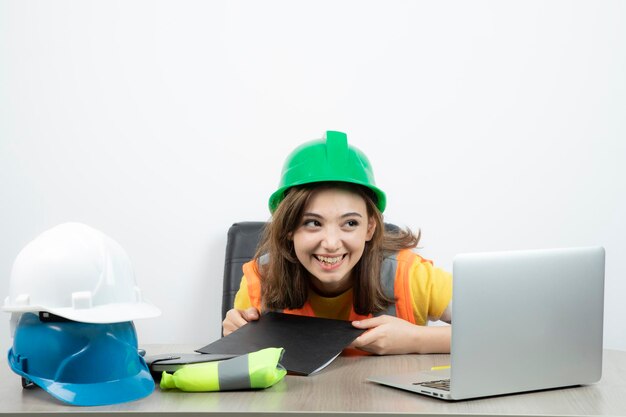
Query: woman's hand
point(237, 318)
point(388, 335)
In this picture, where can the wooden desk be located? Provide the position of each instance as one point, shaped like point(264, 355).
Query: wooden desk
point(339, 389)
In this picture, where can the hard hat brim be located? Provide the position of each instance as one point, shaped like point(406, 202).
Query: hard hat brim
point(277, 197)
point(103, 393)
point(109, 313)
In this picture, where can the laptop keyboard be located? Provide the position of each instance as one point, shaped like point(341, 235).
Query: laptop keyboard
point(442, 384)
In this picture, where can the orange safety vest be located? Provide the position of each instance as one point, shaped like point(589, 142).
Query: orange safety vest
point(394, 276)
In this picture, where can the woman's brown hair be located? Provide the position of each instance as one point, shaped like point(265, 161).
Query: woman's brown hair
point(284, 283)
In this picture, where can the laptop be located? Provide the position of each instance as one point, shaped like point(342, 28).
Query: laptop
point(521, 321)
point(171, 362)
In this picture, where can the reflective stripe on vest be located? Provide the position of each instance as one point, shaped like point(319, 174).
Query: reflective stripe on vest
point(234, 374)
point(394, 278)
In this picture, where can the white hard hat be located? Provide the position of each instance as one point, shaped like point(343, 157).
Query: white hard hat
point(79, 273)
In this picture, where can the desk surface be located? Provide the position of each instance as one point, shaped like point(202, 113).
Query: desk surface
point(342, 388)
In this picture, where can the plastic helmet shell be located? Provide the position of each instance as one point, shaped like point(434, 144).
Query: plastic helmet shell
point(82, 364)
point(330, 159)
point(79, 273)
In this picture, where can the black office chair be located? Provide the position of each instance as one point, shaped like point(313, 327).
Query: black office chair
point(243, 238)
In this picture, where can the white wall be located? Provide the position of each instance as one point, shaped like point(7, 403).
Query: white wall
point(490, 125)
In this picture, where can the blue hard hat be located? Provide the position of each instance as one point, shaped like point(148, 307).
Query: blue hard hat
point(81, 363)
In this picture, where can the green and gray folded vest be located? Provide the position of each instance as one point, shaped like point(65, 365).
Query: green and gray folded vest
point(260, 369)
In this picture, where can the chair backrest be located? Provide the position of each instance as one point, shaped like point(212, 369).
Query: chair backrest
point(241, 245)
point(243, 238)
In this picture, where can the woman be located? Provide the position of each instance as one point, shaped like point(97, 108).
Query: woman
point(325, 253)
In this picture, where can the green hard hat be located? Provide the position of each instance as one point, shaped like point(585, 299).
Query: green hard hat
point(330, 159)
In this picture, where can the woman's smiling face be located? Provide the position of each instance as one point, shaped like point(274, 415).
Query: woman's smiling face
point(331, 238)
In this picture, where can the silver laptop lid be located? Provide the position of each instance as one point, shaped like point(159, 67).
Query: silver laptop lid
point(526, 320)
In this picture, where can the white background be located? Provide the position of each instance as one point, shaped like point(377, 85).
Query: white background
point(490, 125)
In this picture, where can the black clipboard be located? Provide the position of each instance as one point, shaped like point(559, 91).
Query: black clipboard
point(310, 343)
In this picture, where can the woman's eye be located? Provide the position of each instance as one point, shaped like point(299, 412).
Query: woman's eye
point(311, 223)
point(352, 223)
